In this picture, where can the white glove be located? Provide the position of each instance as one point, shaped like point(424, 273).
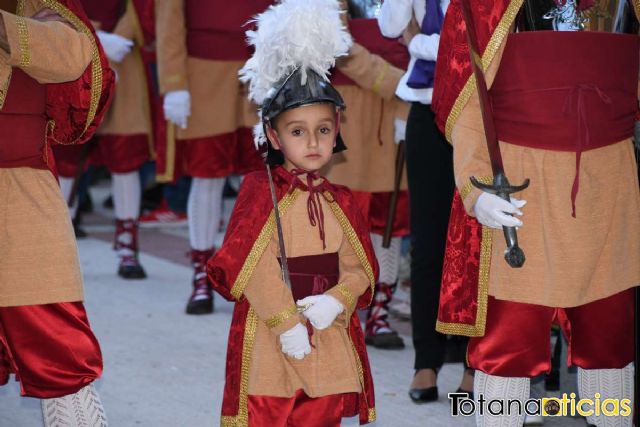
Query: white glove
point(295, 342)
point(115, 47)
point(177, 107)
point(400, 130)
point(322, 311)
point(490, 211)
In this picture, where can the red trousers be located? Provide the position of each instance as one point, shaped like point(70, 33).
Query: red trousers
point(516, 342)
point(220, 156)
point(297, 411)
point(50, 347)
point(375, 209)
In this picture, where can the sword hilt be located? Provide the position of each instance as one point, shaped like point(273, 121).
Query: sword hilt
point(514, 255)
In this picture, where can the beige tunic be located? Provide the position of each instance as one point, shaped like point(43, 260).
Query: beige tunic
point(367, 125)
point(38, 253)
point(570, 261)
point(130, 110)
point(219, 102)
point(331, 366)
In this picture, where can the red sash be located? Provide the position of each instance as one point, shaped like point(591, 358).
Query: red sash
point(216, 31)
point(23, 123)
point(313, 274)
point(567, 91)
point(367, 33)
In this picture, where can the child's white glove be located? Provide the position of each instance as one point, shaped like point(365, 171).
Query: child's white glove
point(322, 311)
point(177, 107)
point(295, 342)
point(115, 47)
point(492, 211)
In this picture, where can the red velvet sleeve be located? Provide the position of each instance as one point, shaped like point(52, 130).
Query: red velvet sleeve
point(75, 109)
point(453, 67)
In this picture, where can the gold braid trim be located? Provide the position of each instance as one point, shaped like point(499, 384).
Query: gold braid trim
point(348, 296)
point(372, 415)
point(23, 37)
point(170, 155)
point(476, 330)
point(636, 6)
point(260, 245)
point(466, 189)
point(277, 320)
point(377, 84)
point(5, 88)
point(96, 65)
point(354, 240)
point(494, 44)
point(242, 419)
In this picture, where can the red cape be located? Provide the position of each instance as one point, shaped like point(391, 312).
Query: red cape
point(75, 109)
point(464, 291)
point(248, 234)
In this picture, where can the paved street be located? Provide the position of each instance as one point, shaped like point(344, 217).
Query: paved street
point(164, 368)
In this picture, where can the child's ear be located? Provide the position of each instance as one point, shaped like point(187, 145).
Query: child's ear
point(272, 135)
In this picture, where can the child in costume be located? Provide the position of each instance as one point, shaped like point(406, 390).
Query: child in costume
point(297, 270)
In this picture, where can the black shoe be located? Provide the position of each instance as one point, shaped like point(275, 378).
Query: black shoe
point(201, 306)
point(132, 272)
point(385, 341)
point(424, 395)
point(469, 393)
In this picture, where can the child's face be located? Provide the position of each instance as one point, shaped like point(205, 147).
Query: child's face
point(306, 136)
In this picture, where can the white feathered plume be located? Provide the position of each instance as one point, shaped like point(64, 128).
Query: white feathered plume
point(305, 34)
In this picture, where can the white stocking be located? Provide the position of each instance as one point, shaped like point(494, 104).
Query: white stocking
point(66, 185)
point(204, 210)
point(611, 384)
point(388, 258)
point(80, 409)
point(493, 387)
point(126, 195)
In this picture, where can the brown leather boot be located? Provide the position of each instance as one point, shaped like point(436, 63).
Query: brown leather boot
point(201, 299)
point(378, 332)
point(126, 244)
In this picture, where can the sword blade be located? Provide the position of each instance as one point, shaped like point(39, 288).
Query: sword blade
point(495, 156)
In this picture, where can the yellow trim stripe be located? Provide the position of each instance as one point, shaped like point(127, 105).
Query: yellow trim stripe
point(23, 37)
point(278, 319)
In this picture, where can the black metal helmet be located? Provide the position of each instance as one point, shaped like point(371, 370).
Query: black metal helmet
point(290, 93)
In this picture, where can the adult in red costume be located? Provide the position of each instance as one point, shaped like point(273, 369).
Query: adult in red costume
point(126, 139)
point(564, 102)
point(54, 81)
point(200, 51)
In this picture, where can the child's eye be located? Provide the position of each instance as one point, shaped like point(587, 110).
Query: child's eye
point(296, 132)
point(325, 130)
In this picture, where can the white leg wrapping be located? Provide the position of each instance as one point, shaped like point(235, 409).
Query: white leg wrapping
point(611, 384)
point(204, 209)
point(388, 259)
point(66, 185)
point(126, 194)
point(500, 388)
point(81, 409)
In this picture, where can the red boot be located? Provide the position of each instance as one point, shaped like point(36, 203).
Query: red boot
point(378, 332)
point(126, 244)
point(201, 299)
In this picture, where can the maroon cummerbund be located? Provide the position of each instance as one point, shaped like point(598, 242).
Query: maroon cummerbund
point(313, 274)
point(566, 91)
point(216, 29)
point(367, 33)
point(106, 12)
point(23, 123)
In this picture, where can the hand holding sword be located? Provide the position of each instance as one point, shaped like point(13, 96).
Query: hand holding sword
point(501, 187)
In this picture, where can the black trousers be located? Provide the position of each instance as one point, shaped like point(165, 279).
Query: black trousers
point(431, 184)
